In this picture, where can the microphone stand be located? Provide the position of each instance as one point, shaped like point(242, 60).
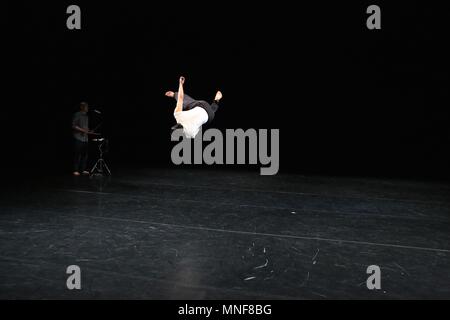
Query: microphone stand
point(95, 129)
point(100, 167)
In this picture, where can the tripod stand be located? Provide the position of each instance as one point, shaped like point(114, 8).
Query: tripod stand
point(100, 167)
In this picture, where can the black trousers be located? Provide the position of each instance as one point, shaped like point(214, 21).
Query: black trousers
point(190, 103)
point(81, 150)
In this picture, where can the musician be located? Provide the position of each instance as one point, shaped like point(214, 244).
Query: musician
point(81, 132)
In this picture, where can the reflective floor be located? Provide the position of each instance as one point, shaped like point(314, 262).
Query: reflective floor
point(196, 234)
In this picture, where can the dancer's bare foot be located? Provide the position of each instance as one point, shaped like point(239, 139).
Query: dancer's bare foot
point(170, 94)
point(218, 96)
point(182, 79)
point(76, 173)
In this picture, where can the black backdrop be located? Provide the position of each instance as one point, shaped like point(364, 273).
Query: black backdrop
point(347, 100)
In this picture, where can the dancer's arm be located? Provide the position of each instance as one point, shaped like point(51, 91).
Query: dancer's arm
point(180, 99)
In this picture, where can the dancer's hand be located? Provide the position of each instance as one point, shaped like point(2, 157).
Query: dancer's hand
point(182, 80)
point(170, 94)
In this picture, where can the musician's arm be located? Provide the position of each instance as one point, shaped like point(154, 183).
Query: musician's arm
point(80, 129)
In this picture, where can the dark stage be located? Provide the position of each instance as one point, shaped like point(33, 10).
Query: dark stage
point(193, 234)
point(362, 119)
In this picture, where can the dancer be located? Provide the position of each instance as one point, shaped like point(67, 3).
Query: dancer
point(192, 114)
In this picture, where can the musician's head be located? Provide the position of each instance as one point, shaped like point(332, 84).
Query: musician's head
point(84, 107)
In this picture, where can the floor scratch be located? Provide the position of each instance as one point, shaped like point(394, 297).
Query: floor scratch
point(262, 266)
point(314, 258)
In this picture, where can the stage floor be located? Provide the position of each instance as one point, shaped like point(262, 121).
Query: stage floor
point(206, 234)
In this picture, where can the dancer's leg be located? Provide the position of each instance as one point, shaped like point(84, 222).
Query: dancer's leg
point(215, 104)
point(186, 101)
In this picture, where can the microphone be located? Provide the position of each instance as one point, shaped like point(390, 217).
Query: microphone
point(96, 111)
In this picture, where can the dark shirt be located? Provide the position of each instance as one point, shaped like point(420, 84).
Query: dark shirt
point(81, 120)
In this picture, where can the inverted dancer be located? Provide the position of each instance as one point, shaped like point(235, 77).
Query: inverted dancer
point(192, 114)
